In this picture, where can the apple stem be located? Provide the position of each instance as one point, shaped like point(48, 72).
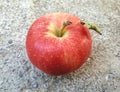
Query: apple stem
point(91, 26)
point(63, 27)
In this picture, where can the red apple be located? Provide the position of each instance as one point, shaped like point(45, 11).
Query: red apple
point(58, 43)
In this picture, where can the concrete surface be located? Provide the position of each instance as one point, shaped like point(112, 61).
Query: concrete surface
point(101, 72)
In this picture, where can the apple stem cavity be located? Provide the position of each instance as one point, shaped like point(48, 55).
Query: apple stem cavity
point(91, 26)
point(61, 31)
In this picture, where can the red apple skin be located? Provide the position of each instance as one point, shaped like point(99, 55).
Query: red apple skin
point(58, 55)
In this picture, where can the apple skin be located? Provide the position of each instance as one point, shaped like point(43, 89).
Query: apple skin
point(58, 55)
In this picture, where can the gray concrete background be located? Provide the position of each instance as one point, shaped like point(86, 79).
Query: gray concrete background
point(101, 72)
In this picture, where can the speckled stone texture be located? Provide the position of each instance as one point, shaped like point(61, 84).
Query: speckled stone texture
point(101, 72)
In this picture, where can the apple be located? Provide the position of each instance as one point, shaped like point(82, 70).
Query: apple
point(59, 43)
